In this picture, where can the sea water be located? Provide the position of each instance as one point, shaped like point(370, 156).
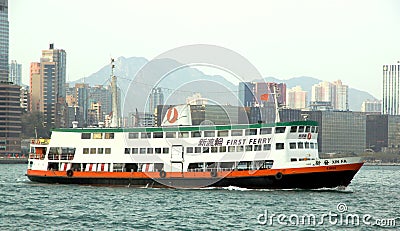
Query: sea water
point(372, 199)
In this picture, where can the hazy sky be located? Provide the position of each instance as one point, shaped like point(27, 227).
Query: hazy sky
point(329, 40)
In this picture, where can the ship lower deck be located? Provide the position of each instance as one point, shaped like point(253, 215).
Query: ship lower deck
point(302, 178)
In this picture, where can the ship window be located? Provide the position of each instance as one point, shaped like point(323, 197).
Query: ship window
point(293, 129)
point(312, 129)
point(127, 151)
point(257, 147)
point(231, 148)
point(133, 135)
point(214, 149)
point(316, 145)
point(197, 149)
point(135, 150)
point(293, 159)
point(108, 150)
point(308, 129)
point(280, 129)
point(292, 145)
point(157, 135)
point(239, 149)
point(158, 167)
point(209, 133)
point(243, 165)
point(301, 128)
point(264, 131)
point(223, 133)
point(312, 145)
point(189, 150)
point(85, 136)
point(249, 147)
point(236, 132)
point(92, 150)
point(316, 129)
point(222, 149)
point(183, 134)
point(145, 135)
point(165, 150)
point(142, 151)
point(196, 134)
point(267, 147)
point(157, 150)
point(306, 145)
point(206, 149)
point(280, 146)
point(85, 151)
point(227, 165)
point(170, 134)
point(300, 145)
point(109, 135)
point(149, 150)
point(97, 135)
point(100, 151)
point(250, 132)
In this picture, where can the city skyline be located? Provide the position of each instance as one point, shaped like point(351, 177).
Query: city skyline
point(283, 39)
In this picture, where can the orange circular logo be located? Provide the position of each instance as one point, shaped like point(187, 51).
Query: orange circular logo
point(309, 136)
point(172, 115)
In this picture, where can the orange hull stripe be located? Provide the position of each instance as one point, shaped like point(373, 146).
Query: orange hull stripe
point(228, 174)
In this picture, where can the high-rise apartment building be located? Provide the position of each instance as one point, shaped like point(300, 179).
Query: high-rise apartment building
point(334, 94)
point(103, 95)
point(372, 106)
point(156, 98)
point(246, 97)
point(391, 89)
point(47, 84)
point(296, 98)
point(15, 73)
point(10, 110)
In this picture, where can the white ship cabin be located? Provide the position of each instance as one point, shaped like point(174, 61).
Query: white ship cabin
point(179, 148)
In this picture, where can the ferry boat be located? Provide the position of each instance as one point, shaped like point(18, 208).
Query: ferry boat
point(178, 154)
point(280, 156)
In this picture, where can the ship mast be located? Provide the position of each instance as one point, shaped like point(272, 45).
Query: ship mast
point(115, 116)
point(276, 93)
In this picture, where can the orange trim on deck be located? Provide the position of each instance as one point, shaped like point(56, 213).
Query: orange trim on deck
point(227, 174)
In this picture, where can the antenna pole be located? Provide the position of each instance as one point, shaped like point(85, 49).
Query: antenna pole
point(115, 116)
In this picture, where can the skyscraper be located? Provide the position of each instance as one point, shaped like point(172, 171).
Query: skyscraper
point(4, 40)
point(340, 100)
point(246, 97)
point(15, 75)
point(48, 90)
point(10, 110)
point(334, 94)
point(391, 89)
point(156, 98)
point(296, 98)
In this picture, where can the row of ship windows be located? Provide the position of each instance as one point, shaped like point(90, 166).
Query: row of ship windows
point(303, 145)
point(96, 150)
point(223, 133)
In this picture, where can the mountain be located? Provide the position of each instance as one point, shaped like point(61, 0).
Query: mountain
point(137, 76)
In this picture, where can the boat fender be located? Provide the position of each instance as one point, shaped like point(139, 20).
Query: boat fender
point(70, 173)
point(162, 173)
point(278, 176)
point(213, 173)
